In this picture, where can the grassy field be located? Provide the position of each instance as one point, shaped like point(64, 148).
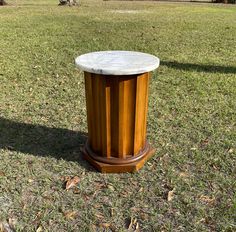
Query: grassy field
point(190, 183)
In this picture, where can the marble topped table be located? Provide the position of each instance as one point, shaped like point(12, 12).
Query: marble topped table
point(117, 62)
point(116, 87)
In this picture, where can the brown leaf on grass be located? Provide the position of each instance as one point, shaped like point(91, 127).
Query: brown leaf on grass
point(94, 227)
point(12, 222)
point(140, 190)
point(207, 199)
point(24, 206)
point(99, 185)
point(97, 206)
point(39, 229)
point(137, 227)
point(72, 182)
point(231, 150)
point(165, 158)
point(70, 215)
point(170, 195)
point(112, 212)
point(105, 225)
point(2, 173)
point(130, 224)
point(204, 142)
point(135, 209)
point(201, 220)
point(76, 191)
point(86, 197)
point(144, 216)
point(5, 227)
point(125, 193)
point(183, 174)
point(99, 215)
point(215, 167)
point(37, 218)
point(111, 187)
point(133, 224)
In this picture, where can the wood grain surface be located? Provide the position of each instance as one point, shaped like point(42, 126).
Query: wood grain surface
point(116, 116)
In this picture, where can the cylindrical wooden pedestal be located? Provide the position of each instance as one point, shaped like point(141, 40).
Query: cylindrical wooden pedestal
point(116, 86)
point(117, 115)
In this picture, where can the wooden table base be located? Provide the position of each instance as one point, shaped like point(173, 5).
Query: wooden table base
point(117, 115)
point(118, 168)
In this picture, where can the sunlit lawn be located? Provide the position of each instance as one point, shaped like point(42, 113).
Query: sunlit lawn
point(192, 117)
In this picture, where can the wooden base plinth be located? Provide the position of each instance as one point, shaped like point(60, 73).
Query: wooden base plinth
point(119, 168)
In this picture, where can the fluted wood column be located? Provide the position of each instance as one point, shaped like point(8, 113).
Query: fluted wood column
point(117, 116)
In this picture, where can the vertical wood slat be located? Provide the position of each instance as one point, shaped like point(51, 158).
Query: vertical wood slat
point(105, 112)
point(98, 113)
point(140, 112)
point(89, 107)
point(96, 118)
point(115, 116)
point(146, 109)
point(129, 115)
point(123, 94)
point(121, 123)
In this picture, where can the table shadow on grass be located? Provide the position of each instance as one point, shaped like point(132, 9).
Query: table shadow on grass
point(200, 67)
point(43, 141)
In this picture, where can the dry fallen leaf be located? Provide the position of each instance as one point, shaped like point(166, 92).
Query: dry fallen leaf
point(112, 212)
point(170, 195)
point(98, 186)
point(144, 216)
point(215, 167)
point(201, 220)
point(40, 229)
point(130, 224)
point(36, 221)
point(12, 222)
point(5, 227)
point(133, 224)
point(183, 174)
point(105, 225)
point(70, 215)
point(99, 215)
point(2, 173)
point(140, 190)
point(165, 158)
point(24, 206)
point(72, 182)
point(204, 142)
point(111, 187)
point(97, 206)
point(231, 150)
point(207, 199)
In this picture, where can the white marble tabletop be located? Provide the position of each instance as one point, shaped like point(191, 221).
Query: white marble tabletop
point(117, 62)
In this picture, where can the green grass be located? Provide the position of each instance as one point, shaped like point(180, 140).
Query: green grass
point(191, 122)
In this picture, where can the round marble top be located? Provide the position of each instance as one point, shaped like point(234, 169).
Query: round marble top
point(117, 62)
